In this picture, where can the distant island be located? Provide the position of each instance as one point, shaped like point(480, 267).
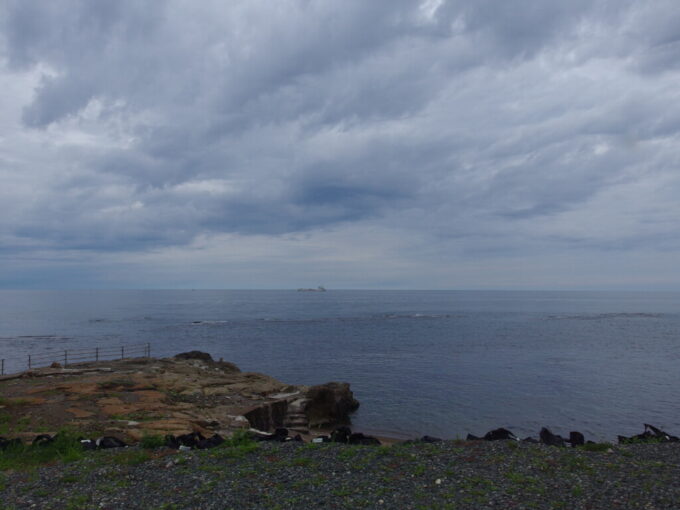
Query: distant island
point(320, 288)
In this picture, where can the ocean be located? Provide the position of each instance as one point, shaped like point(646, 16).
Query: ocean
point(442, 363)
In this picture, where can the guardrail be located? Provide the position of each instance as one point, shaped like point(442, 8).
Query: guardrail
point(72, 356)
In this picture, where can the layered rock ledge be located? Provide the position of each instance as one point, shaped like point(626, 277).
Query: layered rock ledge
point(190, 392)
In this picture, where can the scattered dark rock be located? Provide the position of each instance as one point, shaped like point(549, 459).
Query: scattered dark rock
point(341, 434)
point(430, 439)
point(494, 435)
point(651, 434)
point(172, 442)
point(530, 439)
point(359, 438)
point(191, 440)
point(576, 438)
point(499, 435)
point(88, 444)
point(211, 442)
point(42, 440)
point(551, 439)
point(55, 364)
point(110, 442)
point(330, 404)
point(280, 435)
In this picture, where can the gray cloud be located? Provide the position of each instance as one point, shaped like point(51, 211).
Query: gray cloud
point(474, 127)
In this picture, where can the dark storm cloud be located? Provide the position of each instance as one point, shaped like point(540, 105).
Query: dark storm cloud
point(151, 123)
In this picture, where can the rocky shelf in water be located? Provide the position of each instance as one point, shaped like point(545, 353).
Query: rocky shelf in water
point(188, 393)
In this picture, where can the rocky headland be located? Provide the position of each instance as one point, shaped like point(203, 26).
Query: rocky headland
point(188, 393)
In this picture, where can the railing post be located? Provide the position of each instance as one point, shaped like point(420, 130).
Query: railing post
point(96, 354)
point(148, 350)
point(65, 357)
point(2, 367)
point(29, 361)
point(122, 352)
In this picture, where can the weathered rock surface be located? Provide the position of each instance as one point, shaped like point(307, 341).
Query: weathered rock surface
point(190, 393)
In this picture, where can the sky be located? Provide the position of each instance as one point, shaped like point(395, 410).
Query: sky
point(390, 144)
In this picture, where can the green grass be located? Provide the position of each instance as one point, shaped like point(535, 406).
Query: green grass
point(65, 448)
point(13, 402)
point(152, 441)
point(131, 457)
point(237, 446)
point(596, 447)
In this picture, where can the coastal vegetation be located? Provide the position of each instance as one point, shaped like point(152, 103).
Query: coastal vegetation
point(242, 474)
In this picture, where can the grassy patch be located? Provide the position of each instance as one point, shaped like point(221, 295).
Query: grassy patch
point(596, 447)
point(152, 441)
point(238, 445)
point(14, 402)
point(65, 448)
point(131, 457)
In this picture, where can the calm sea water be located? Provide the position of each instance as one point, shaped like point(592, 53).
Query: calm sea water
point(421, 362)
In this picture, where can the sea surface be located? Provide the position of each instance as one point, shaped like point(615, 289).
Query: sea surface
point(443, 363)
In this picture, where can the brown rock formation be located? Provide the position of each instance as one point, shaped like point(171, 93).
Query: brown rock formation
point(190, 392)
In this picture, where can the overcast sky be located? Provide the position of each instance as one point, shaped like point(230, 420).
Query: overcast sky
point(462, 144)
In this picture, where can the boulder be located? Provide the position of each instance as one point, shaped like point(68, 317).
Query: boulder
point(551, 439)
point(330, 404)
point(499, 435)
point(494, 435)
point(576, 438)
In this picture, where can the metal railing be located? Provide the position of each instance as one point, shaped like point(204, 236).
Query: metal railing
point(73, 356)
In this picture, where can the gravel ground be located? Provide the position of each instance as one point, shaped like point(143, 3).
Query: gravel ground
point(447, 475)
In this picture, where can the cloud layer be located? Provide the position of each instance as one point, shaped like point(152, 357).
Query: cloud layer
point(450, 133)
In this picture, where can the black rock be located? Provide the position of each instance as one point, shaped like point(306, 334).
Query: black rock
point(341, 434)
point(551, 439)
point(211, 442)
point(650, 434)
point(471, 437)
point(499, 435)
point(88, 444)
point(172, 442)
point(430, 439)
point(280, 435)
point(530, 440)
point(42, 440)
point(576, 438)
point(359, 438)
point(110, 442)
point(191, 440)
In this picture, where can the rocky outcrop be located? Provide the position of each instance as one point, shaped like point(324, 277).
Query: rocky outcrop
point(267, 416)
point(203, 356)
point(329, 404)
